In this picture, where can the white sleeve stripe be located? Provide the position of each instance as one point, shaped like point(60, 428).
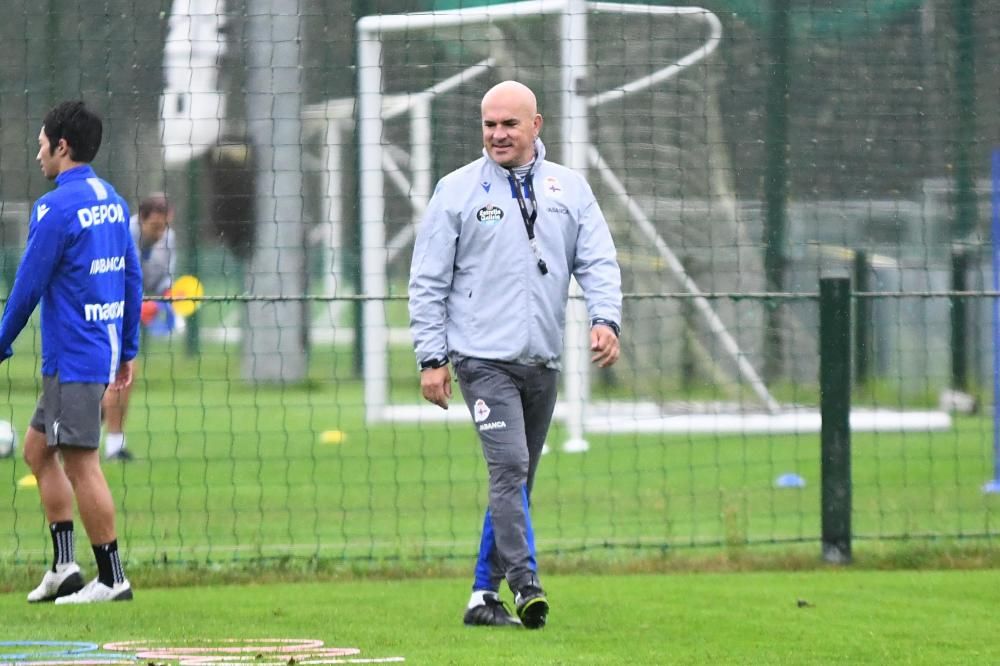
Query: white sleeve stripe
point(100, 191)
point(113, 339)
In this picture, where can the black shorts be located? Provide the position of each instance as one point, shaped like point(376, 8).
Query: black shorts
point(69, 413)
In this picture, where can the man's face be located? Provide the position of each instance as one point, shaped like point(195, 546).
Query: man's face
point(49, 162)
point(153, 228)
point(510, 126)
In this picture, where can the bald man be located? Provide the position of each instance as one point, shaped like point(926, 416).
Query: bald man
point(489, 284)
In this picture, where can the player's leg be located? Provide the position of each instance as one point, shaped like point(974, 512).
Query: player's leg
point(485, 607)
point(114, 409)
point(78, 438)
point(493, 400)
point(539, 403)
point(489, 566)
point(538, 400)
point(538, 394)
point(493, 395)
point(56, 495)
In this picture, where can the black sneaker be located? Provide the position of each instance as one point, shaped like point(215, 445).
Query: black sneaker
point(532, 607)
point(121, 455)
point(489, 612)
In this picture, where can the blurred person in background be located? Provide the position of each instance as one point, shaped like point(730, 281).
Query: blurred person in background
point(489, 285)
point(154, 239)
point(81, 263)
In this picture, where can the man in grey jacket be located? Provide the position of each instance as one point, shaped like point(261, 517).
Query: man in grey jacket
point(489, 285)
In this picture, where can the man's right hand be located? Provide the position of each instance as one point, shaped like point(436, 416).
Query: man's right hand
point(435, 384)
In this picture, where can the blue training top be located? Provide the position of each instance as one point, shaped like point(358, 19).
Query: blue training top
point(81, 263)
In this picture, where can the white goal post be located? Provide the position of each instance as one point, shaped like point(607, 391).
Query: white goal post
point(379, 161)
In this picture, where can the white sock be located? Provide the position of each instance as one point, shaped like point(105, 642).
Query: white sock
point(113, 443)
point(479, 597)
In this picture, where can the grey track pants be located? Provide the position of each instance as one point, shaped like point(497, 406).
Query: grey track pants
point(511, 407)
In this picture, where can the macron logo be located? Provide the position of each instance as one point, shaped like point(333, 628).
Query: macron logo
point(104, 311)
point(42, 211)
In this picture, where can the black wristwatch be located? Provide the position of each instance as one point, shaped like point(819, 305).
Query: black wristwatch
point(430, 364)
point(613, 325)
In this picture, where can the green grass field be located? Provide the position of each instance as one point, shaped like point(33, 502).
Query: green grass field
point(819, 617)
point(227, 471)
point(358, 544)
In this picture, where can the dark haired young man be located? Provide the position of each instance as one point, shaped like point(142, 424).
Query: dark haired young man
point(81, 263)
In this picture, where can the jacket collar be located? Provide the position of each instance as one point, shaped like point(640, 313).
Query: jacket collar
point(539, 157)
point(76, 173)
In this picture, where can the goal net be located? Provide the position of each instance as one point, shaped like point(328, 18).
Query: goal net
point(628, 93)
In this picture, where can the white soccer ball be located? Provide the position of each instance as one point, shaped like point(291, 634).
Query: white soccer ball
point(8, 439)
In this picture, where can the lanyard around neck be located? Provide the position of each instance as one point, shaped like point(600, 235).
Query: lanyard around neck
point(528, 217)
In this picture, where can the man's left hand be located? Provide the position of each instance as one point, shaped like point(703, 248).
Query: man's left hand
point(123, 378)
point(604, 344)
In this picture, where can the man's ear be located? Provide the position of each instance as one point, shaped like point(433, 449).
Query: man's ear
point(62, 148)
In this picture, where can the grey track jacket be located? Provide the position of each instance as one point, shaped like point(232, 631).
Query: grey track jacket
point(475, 287)
point(158, 261)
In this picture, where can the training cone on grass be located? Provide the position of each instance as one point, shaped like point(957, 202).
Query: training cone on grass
point(332, 436)
point(790, 480)
point(28, 481)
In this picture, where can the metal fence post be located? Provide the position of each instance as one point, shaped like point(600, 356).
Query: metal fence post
point(835, 410)
point(959, 320)
point(776, 171)
point(863, 324)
